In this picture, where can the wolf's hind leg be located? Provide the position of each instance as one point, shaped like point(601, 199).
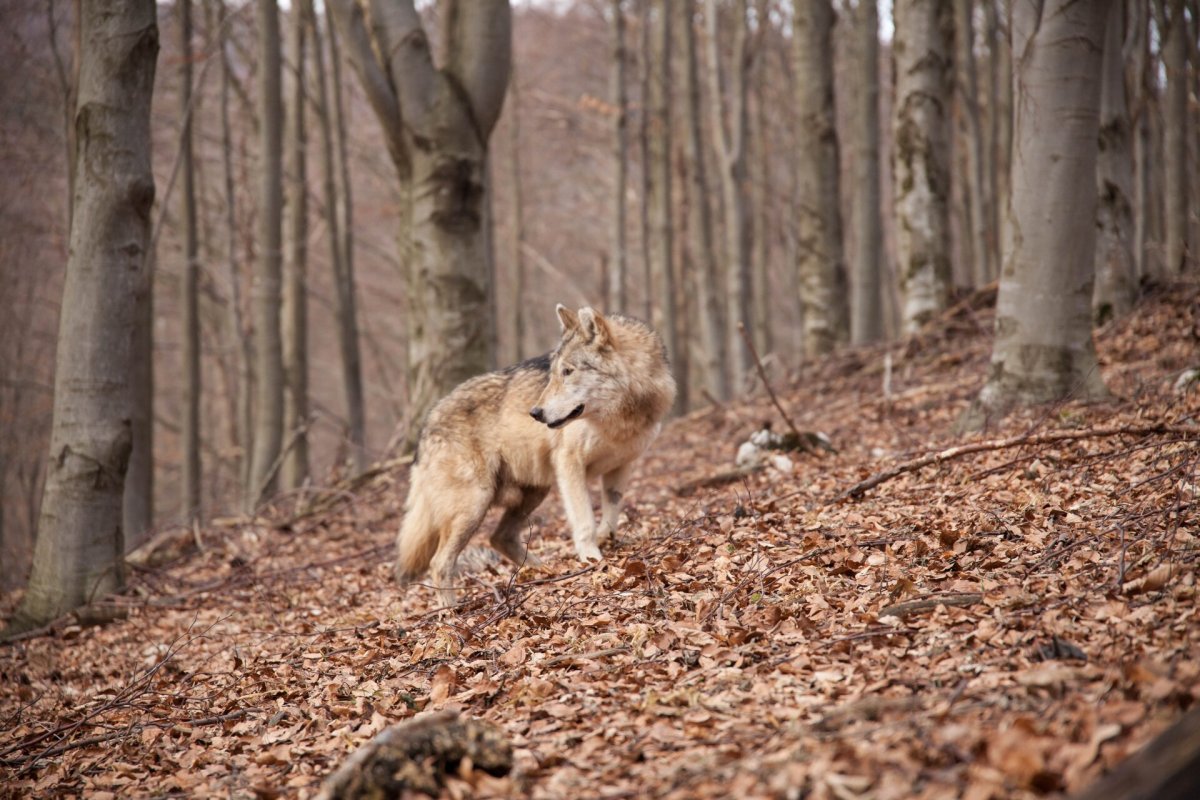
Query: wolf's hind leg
point(612, 489)
point(470, 509)
point(507, 539)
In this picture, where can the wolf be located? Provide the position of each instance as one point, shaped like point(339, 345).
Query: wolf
point(587, 409)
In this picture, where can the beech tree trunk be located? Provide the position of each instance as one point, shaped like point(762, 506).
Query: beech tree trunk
point(618, 260)
point(702, 272)
point(1175, 137)
point(1116, 287)
point(866, 322)
point(345, 293)
point(436, 123)
point(79, 554)
point(190, 424)
point(294, 312)
point(268, 345)
point(921, 169)
point(820, 261)
point(519, 239)
point(662, 237)
point(1043, 349)
point(729, 131)
point(967, 80)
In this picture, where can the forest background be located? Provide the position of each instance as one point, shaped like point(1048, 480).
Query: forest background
point(726, 87)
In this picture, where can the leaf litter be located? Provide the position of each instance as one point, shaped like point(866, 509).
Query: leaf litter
point(1009, 622)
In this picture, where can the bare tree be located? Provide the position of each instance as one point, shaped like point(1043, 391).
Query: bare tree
point(1043, 349)
point(921, 174)
point(294, 311)
point(1115, 284)
point(436, 124)
point(702, 274)
point(1175, 136)
point(729, 131)
point(268, 347)
point(820, 260)
point(967, 86)
point(518, 218)
point(866, 308)
point(662, 239)
point(618, 261)
point(345, 297)
point(190, 423)
point(79, 555)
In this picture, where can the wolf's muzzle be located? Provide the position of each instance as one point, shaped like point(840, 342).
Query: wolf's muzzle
point(538, 413)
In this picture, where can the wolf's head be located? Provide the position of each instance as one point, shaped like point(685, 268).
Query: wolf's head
point(585, 372)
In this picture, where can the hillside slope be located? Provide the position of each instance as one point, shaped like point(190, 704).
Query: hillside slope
point(1041, 603)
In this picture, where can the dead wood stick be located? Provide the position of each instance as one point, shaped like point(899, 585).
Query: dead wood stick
point(608, 651)
point(910, 607)
point(1048, 437)
point(1166, 769)
point(804, 440)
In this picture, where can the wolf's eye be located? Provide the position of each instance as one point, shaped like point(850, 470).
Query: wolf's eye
point(567, 371)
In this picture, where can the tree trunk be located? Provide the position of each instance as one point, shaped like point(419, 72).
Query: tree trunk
point(1115, 285)
point(646, 50)
point(1175, 138)
point(866, 323)
point(268, 347)
point(976, 183)
point(729, 130)
point(345, 293)
point(236, 334)
point(760, 186)
point(996, 42)
point(1043, 349)
point(437, 122)
point(79, 555)
point(618, 261)
point(1141, 79)
point(294, 312)
point(518, 218)
point(190, 424)
point(921, 182)
point(820, 261)
point(703, 274)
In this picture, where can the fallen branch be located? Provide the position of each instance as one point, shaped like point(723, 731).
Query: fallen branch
point(910, 607)
point(712, 481)
point(1049, 437)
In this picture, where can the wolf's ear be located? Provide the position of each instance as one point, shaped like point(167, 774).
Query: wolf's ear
point(595, 327)
point(566, 318)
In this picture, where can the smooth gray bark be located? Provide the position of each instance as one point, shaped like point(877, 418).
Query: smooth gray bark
point(618, 260)
point(703, 275)
point(866, 308)
point(268, 345)
point(662, 234)
point(727, 101)
point(820, 260)
point(1175, 137)
point(519, 238)
point(1043, 349)
point(1115, 286)
point(190, 423)
point(920, 163)
point(967, 85)
point(345, 294)
point(293, 471)
point(79, 554)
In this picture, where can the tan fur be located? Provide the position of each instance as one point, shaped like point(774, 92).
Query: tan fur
point(605, 391)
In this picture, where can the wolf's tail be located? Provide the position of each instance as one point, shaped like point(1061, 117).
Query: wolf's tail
point(418, 538)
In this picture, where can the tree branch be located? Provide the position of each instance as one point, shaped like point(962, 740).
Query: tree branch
point(348, 15)
point(479, 57)
point(1050, 437)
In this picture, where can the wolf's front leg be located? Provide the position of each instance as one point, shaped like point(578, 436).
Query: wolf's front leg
point(611, 491)
point(572, 485)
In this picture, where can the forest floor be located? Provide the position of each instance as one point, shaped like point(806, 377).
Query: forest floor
point(1010, 622)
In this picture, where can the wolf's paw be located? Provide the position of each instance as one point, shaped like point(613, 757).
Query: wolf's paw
point(603, 534)
point(588, 552)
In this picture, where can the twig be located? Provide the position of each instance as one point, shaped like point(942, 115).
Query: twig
point(949, 454)
point(608, 651)
point(804, 440)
